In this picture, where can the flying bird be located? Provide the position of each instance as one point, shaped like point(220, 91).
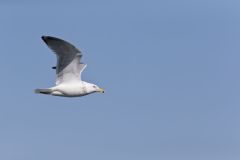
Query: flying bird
point(68, 70)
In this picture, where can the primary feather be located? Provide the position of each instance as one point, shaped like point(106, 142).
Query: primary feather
point(68, 66)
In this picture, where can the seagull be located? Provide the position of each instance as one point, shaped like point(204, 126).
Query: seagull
point(68, 70)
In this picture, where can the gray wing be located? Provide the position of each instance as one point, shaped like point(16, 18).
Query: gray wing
point(68, 66)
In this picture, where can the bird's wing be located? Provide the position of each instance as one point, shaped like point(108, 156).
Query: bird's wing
point(68, 66)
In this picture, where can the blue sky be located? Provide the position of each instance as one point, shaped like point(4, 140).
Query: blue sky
point(170, 70)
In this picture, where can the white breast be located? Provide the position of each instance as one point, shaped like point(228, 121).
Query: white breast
point(70, 89)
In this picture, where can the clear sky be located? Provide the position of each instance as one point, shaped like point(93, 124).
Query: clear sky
point(170, 70)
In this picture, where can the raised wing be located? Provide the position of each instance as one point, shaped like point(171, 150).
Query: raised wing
point(68, 66)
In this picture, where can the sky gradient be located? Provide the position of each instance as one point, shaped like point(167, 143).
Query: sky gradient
point(170, 70)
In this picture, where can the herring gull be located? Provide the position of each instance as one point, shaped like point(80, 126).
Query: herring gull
point(68, 70)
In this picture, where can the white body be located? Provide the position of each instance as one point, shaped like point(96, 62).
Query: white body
point(68, 70)
point(74, 89)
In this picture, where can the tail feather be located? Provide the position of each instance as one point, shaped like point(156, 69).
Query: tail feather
point(43, 91)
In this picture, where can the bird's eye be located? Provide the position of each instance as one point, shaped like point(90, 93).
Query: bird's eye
point(94, 87)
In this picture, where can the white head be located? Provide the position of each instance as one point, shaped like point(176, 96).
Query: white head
point(91, 88)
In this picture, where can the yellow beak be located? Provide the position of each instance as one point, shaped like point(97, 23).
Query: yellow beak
point(100, 90)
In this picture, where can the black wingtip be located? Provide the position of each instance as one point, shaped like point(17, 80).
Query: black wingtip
point(44, 38)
